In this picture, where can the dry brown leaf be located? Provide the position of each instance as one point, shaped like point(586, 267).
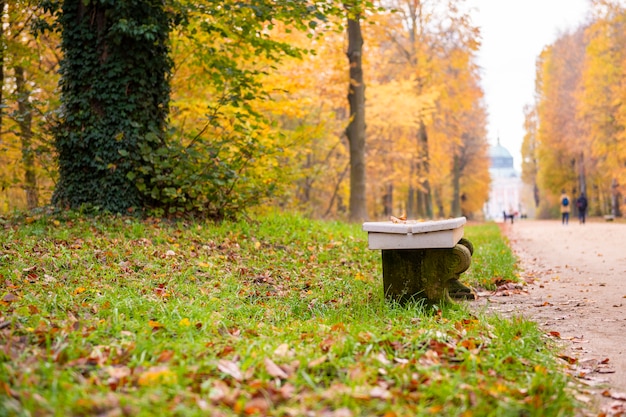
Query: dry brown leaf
point(382, 358)
point(380, 392)
point(318, 361)
point(568, 359)
point(274, 370)
point(621, 396)
point(166, 356)
point(9, 298)
point(287, 391)
point(230, 368)
point(283, 351)
point(255, 406)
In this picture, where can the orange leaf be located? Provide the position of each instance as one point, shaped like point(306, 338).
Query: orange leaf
point(155, 325)
point(338, 327)
point(257, 405)
point(156, 376)
point(166, 356)
point(568, 359)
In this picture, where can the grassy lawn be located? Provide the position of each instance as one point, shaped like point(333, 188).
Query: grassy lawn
point(278, 316)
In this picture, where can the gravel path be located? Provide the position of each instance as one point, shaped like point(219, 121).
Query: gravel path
point(576, 291)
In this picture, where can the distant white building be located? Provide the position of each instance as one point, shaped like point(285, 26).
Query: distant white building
point(506, 185)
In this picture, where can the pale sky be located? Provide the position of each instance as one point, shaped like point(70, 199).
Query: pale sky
point(514, 33)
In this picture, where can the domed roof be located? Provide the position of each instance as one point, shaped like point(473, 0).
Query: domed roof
point(499, 151)
point(500, 157)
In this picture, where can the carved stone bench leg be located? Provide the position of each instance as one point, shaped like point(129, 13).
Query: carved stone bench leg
point(429, 274)
point(456, 288)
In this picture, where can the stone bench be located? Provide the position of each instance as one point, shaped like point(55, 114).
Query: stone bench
point(422, 260)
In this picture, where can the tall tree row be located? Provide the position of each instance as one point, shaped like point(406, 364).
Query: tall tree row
point(432, 87)
point(575, 132)
point(602, 104)
point(559, 132)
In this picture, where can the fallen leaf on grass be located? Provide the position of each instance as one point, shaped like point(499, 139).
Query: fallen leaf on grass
point(9, 298)
point(256, 406)
point(166, 356)
point(275, 370)
point(382, 358)
point(380, 392)
point(117, 376)
point(230, 368)
point(283, 351)
point(155, 324)
point(366, 393)
point(161, 291)
point(158, 375)
point(318, 361)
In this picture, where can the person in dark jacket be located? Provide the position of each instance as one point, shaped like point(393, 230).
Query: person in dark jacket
point(581, 205)
point(564, 208)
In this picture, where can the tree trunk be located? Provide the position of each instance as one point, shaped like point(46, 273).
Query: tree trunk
point(424, 197)
point(25, 120)
point(582, 181)
point(410, 203)
point(2, 48)
point(388, 200)
point(438, 199)
point(456, 187)
point(614, 199)
point(356, 127)
point(336, 193)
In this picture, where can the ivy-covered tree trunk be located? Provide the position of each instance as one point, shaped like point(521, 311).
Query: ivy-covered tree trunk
point(115, 95)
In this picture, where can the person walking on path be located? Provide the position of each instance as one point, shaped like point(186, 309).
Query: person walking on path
point(564, 208)
point(581, 204)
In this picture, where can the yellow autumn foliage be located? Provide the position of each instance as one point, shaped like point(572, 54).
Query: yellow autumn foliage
point(576, 140)
point(415, 78)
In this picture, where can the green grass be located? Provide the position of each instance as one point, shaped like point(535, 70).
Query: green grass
point(278, 316)
point(493, 263)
